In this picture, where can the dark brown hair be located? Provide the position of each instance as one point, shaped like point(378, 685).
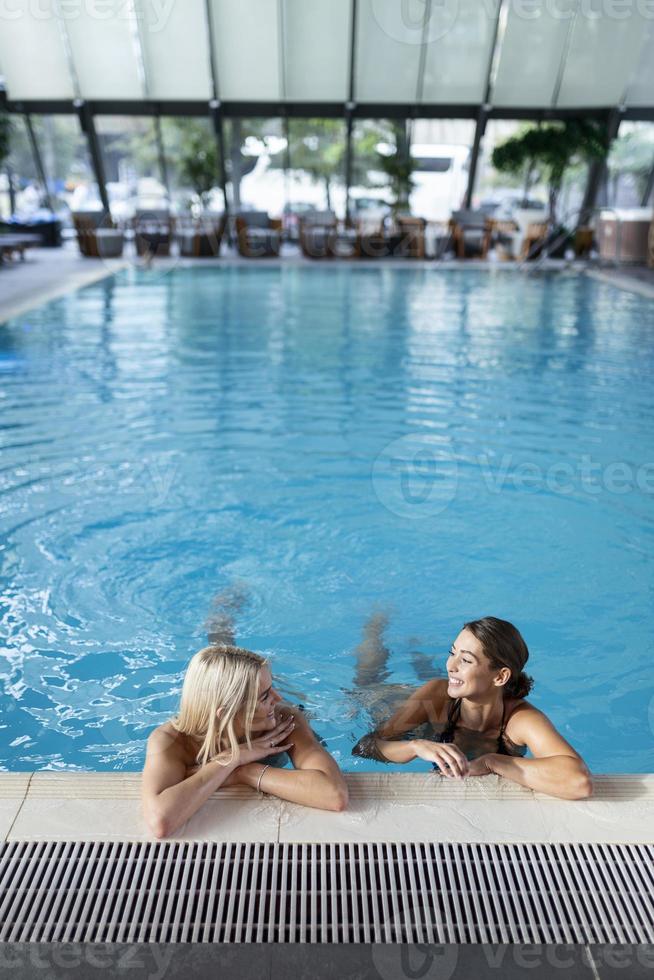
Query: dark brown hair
point(504, 647)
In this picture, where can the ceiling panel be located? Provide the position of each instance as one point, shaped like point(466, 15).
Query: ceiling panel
point(530, 55)
point(640, 89)
point(388, 43)
point(458, 39)
point(103, 44)
point(176, 49)
point(317, 49)
point(603, 53)
point(32, 54)
point(247, 49)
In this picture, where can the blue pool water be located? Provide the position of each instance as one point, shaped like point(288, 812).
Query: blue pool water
point(442, 445)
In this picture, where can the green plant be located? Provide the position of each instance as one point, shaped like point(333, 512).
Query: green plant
point(549, 149)
point(398, 167)
point(198, 163)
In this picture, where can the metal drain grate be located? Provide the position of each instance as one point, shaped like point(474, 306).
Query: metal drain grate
point(333, 893)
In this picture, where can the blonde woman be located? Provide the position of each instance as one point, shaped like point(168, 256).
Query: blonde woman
point(232, 728)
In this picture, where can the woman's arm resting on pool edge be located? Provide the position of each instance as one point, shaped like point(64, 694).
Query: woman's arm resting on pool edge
point(382, 744)
point(315, 781)
point(555, 768)
point(170, 799)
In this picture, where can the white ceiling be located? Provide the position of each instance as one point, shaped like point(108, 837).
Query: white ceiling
point(536, 53)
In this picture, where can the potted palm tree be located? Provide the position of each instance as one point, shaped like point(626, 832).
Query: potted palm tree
point(545, 152)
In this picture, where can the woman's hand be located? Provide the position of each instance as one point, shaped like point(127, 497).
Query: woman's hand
point(481, 766)
point(261, 748)
point(269, 743)
point(450, 760)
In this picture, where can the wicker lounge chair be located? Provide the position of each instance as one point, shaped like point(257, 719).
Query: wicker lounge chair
point(412, 232)
point(153, 231)
point(97, 235)
point(471, 233)
point(321, 237)
point(202, 237)
point(257, 235)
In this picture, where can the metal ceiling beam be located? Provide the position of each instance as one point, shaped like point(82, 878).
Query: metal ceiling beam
point(325, 110)
point(349, 108)
point(558, 81)
point(649, 187)
point(482, 115)
point(216, 115)
point(38, 162)
point(88, 128)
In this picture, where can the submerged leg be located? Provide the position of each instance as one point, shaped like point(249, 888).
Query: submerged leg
point(423, 666)
point(372, 653)
point(219, 624)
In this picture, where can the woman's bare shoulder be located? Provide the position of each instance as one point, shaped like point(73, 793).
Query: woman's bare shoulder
point(521, 716)
point(166, 738)
point(435, 690)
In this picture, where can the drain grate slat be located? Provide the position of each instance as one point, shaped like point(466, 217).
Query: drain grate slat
point(321, 893)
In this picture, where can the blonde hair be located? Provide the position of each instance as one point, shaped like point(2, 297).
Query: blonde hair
point(225, 677)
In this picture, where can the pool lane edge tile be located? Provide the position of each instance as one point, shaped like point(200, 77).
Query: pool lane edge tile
point(385, 806)
point(13, 792)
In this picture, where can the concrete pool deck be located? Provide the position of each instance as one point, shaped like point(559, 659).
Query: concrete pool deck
point(384, 807)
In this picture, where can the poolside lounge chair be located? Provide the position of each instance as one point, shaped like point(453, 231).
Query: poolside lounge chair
point(412, 232)
point(11, 245)
point(534, 238)
point(153, 231)
point(471, 233)
point(201, 237)
point(257, 235)
point(321, 238)
point(97, 235)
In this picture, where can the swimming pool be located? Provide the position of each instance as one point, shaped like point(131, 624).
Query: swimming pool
point(333, 439)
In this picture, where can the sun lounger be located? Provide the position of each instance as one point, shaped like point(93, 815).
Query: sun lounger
point(153, 231)
point(12, 245)
point(321, 238)
point(202, 237)
point(257, 235)
point(471, 233)
point(97, 236)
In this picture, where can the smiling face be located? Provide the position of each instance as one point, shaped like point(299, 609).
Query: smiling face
point(267, 699)
point(469, 671)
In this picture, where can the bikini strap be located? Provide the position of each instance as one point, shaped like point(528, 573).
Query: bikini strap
point(453, 713)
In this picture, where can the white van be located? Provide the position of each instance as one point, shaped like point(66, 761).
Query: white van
point(440, 179)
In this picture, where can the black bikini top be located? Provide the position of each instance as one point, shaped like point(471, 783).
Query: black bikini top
point(453, 716)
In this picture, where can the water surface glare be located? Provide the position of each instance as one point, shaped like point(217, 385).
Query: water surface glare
point(335, 440)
